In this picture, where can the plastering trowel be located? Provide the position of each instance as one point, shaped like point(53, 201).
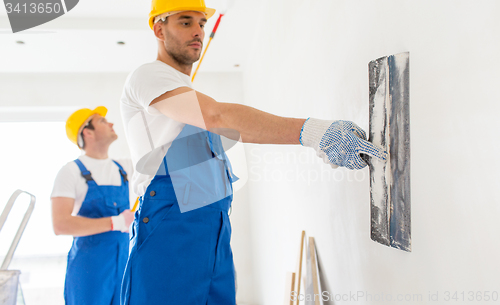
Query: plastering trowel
point(390, 129)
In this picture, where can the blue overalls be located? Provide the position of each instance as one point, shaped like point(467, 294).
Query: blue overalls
point(96, 263)
point(180, 246)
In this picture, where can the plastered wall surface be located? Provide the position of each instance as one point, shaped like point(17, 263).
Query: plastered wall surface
point(310, 58)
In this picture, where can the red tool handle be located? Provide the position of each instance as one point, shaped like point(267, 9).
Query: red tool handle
point(216, 26)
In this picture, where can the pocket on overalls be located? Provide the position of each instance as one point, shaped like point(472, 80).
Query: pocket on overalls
point(153, 212)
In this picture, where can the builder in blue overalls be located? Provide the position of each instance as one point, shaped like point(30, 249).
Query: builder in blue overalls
point(180, 249)
point(90, 201)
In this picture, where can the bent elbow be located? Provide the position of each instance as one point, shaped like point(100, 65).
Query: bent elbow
point(59, 228)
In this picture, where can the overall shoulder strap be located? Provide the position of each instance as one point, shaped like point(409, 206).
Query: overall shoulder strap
point(85, 173)
point(123, 173)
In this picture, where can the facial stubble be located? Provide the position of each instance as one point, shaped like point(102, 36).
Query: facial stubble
point(174, 49)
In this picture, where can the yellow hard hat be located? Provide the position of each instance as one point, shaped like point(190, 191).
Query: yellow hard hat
point(76, 120)
point(159, 7)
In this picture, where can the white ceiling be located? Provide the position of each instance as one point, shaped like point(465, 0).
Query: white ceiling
point(85, 39)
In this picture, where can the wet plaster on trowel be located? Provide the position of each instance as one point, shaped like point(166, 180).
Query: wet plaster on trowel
point(389, 129)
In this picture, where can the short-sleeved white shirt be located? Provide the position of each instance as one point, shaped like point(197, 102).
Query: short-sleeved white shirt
point(70, 183)
point(149, 132)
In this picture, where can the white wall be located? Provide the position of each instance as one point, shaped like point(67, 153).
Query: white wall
point(310, 58)
point(60, 94)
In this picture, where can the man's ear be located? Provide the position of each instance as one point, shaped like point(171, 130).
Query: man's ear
point(88, 133)
point(158, 30)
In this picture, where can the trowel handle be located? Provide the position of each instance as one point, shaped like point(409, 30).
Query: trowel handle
point(365, 158)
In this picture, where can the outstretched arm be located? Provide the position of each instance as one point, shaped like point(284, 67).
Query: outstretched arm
point(338, 143)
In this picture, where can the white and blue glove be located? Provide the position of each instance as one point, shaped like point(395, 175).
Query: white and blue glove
point(122, 222)
point(339, 143)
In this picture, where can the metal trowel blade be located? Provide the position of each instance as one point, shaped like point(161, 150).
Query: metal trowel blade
point(390, 128)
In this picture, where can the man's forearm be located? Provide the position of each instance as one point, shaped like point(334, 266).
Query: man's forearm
point(82, 226)
point(257, 126)
point(254, 126)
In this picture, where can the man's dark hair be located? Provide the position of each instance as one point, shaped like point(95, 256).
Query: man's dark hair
point(89, 126)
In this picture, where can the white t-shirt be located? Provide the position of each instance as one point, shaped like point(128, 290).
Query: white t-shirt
point(149, 132)
point(70, 182)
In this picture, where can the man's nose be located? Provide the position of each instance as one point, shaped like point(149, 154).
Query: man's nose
point(198, 32)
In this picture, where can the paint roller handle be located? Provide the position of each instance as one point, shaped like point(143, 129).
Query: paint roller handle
point(216, 26)
point(214, 30)
point(339, 143)
point(136, 204)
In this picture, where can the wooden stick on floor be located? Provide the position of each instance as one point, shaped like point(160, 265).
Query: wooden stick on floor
point(299, 271)
point(312, 251)
point(289, 286)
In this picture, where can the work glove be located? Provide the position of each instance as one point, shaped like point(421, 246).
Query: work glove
point(122, 222)
point(339, 143)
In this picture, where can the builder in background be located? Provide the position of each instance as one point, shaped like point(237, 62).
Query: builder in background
point(180, 250)
point(90, 200)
